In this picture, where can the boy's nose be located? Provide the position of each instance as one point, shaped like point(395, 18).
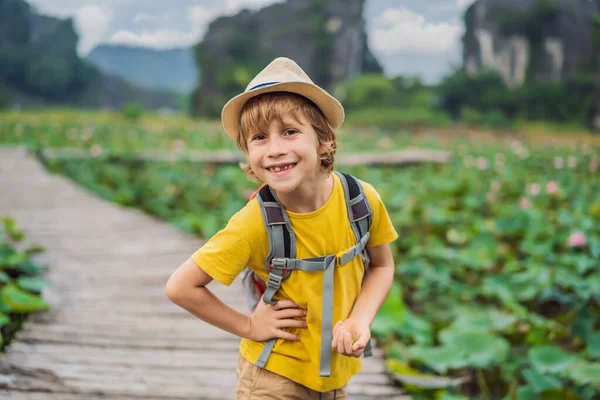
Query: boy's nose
point(276, 146)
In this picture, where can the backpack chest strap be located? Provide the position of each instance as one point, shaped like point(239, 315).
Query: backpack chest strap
point(327, 264)
point(315, 264)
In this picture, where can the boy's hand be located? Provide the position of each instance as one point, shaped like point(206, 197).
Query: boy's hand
point(267, 321)
point(350, 337)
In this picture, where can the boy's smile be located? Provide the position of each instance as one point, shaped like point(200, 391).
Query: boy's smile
point(286, 157)
point(280, 169)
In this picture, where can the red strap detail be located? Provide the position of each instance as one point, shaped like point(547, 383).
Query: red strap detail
point(257, 190)
point(261, 288)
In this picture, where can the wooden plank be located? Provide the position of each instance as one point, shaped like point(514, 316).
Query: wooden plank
point(111, 332)
point(29, 395)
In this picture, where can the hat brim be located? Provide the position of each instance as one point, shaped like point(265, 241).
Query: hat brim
point(329, 105)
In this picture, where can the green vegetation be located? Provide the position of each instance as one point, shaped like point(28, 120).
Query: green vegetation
point(54, 73)
point(231, 77)
point(41, 67)
point(497, 259)
point(497, 279)
point(324, 44)
point(482, 100)
point(132, 111)
point(21, 283)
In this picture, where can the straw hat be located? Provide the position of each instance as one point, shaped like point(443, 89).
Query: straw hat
point(282, 75)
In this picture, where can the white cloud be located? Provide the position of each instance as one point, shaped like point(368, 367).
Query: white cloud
point(463, 4)
point(199, 18)
point(401, 29)
point(91, 22)
point(145, 17)
point(159, 39)
point(54, 8)
point(233, 6)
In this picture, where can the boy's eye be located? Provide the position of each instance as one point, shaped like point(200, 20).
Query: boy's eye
point(260, 136)
point(291, 131)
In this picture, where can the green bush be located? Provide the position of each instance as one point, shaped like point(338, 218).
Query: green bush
point(5, 98)
point(484, 91)
point(396, 117)
point(471, 116)
point(20, 282)
point(570, 101)
point(132, 111)
point(497, 258)
point(366, 91)
point(496, 119)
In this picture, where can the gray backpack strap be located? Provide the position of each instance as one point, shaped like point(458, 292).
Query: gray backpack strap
point(361, 218)
point(327, 264)
point(359, 210)
point(282, 245)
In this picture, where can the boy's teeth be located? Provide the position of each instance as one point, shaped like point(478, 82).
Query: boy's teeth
point(277, 169)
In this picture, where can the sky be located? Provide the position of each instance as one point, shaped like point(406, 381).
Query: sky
point(408, 37)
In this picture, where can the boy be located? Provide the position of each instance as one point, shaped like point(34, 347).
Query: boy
point(286, 125)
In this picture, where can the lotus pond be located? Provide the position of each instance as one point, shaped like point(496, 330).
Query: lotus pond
point(497, 289)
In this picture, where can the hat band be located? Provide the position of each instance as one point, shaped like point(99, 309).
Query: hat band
point(262, 84)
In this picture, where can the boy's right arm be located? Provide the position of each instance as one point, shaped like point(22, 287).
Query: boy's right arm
point(187, 288)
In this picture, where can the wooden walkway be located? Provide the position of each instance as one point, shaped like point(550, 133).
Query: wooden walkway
point(112, 333)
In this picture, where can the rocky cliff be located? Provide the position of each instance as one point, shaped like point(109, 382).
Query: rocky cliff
point(39, 66)
point(325, 37)
point(531, 40)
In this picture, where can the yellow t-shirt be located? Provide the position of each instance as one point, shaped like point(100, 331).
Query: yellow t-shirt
point(244, 242)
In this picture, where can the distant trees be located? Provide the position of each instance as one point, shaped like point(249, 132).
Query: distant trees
point(38, 54)
point(486, 92)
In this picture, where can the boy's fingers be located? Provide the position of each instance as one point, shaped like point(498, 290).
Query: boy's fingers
point(347, 343)
point(291, 323)
point(357, 353)
point(281, 304)
point(361, 342)
point(291, 313)
point(335, 334)
point(339, 345)
point(336, 328)
point(287, 336)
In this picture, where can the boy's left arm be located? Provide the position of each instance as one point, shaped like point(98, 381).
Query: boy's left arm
point(351, 336)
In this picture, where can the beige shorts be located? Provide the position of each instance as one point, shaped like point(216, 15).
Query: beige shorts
point(255, 383)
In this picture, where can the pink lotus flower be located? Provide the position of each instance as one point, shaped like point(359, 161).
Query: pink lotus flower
point(593, 164)
point(534, 189)
point(558, 162)
point(551, 187)
point(523, 153)
point(96, 150)
point(524, 202)
point(577, 239)
point(482, 163)
point(178, 144)
point(572, 162)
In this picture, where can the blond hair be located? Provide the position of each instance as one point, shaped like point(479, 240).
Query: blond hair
point(260, 111)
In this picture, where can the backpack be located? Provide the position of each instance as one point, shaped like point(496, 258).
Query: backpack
point(281, 260)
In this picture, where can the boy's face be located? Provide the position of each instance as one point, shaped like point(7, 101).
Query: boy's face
point(286, 155)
